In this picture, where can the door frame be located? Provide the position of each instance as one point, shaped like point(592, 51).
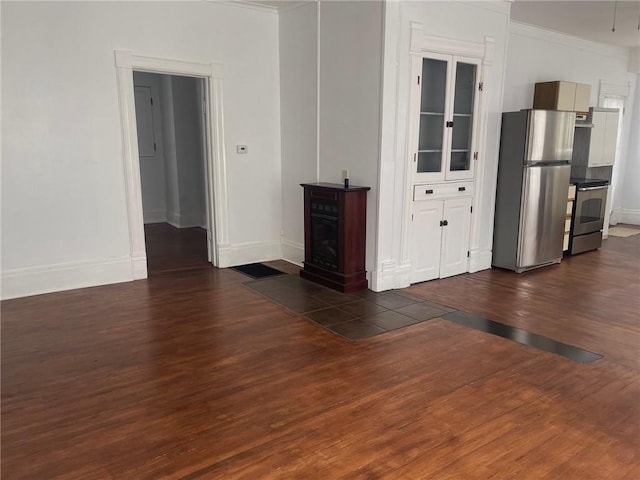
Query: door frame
point(215, 163)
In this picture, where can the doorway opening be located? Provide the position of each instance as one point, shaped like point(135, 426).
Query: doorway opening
point(210, 78)
point(170, 125)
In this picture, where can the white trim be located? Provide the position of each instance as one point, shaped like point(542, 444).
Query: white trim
point(625, 215)
point(539, 33)
point(479, 260)
point(609, 89)
point(186, 220)
point(421, 43)
point(248, 252)
point(126, 62)
point(24, 282)
point(248, 5)
point(390, 277)
point(293, 252)
point(318, 39)
point(155, 216)
point(291, 5)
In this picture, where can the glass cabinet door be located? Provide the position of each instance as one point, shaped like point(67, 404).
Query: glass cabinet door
point(446, 93)
point(431, 136)
point(463, 110)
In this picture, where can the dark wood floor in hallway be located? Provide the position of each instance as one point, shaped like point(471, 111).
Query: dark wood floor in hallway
point(191, 375)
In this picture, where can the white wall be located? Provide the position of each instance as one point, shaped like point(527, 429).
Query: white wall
point(537, 55)
point(467, 21)
point(351, 42)
point(298, 105)
point(170, 148)
point(628, 208)
point(64, 222)
point(189, 154)
point(330, 121)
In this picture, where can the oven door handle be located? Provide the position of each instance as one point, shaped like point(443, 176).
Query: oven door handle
point(585, 189)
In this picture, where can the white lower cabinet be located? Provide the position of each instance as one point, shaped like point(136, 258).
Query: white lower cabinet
point(440, 237)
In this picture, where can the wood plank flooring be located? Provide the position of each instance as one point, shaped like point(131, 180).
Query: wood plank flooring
point(191, 375)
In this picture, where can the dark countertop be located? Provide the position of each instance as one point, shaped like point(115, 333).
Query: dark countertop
point(588, 182)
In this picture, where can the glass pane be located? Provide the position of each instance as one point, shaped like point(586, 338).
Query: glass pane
point(465, 88)
point(460, 161)
point(431, 127)
point(590, 210)
point(434, 84)
point(463, 116)
point(429, 161)
point(461, 133)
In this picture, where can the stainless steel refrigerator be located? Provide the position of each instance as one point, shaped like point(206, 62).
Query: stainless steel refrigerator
point(533, 181)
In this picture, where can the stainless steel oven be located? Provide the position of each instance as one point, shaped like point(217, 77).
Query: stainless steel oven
point(588, 215)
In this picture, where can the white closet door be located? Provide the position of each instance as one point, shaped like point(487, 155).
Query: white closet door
point(455, 236)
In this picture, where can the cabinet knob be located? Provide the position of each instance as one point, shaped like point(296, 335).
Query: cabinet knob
point(449, 124)
point(428, 191)
point(445, 223)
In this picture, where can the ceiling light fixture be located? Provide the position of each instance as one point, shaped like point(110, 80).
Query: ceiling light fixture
point(615, 11)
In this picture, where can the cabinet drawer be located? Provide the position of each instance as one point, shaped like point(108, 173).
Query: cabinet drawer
point(567, 224)
point(565, 243)
point(442, 190)
point(572, 192)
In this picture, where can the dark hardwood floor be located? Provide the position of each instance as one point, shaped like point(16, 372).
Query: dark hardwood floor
point(170, 248)
point(190, 374)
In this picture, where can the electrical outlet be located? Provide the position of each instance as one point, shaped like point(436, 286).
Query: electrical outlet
point(242, 148)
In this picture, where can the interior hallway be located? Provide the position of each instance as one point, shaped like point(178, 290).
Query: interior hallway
point(190, 374)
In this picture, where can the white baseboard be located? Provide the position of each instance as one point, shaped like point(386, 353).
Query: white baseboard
point(249, 252)
point(293, 252)
point(185, 220)
point(390, 276)
point(479, 260)
point(154, 216)
point(625, 215)
point(25, 282)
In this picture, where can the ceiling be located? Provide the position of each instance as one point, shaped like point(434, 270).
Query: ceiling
point(592, 20)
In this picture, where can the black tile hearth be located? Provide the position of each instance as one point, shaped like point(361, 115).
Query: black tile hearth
point(363, 308)
point(390, 320)
point(394, 300)
point(330, 316)
point(356, 329)
point(424, 310)
point(354, 316)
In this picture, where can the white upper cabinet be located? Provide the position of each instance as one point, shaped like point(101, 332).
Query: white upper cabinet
point(596, 147)
point(446, 93)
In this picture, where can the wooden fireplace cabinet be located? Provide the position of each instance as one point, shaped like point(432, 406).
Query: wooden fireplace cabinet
point(335, 220)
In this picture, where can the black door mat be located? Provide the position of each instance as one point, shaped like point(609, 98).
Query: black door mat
point(257, 270)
